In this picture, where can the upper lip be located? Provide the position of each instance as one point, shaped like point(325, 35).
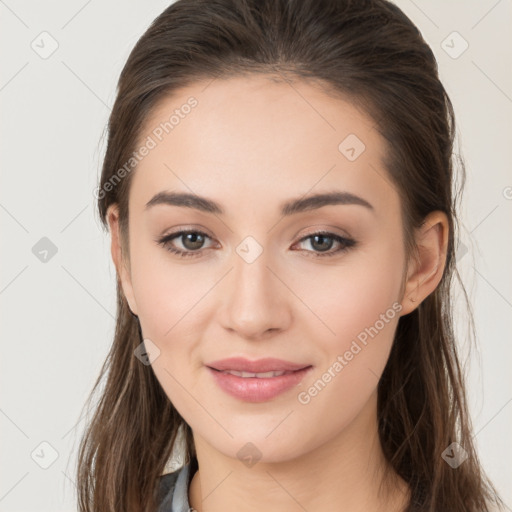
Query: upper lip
point(268, 364)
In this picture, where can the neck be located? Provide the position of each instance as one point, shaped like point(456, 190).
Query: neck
point(349, 470)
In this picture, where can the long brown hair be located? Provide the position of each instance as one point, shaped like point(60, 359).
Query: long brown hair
point(364, 50)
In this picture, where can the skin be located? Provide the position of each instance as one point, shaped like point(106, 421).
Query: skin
point(251, 144)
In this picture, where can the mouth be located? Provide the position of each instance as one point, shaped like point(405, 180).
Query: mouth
point(260, 368)
point(261, 375)
point(257, 386)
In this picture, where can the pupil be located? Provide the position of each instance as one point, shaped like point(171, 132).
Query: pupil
point(322, 238)
point(195, 239)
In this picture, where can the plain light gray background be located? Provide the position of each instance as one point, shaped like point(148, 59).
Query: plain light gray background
point(58, 316)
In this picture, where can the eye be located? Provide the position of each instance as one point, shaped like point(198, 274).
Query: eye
point(324, 241)
point(193, 240)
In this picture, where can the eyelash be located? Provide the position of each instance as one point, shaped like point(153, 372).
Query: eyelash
point(347, 243)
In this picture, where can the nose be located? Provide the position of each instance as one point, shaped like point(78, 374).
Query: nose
point(257, 301)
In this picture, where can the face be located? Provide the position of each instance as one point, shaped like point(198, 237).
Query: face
point(317, 284)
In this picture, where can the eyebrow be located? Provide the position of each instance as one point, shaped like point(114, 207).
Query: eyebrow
point(290, 207)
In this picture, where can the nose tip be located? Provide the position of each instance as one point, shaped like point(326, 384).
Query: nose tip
point(256, 304)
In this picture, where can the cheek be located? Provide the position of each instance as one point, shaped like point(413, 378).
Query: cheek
point(359, 309)
point(169, 306)
point(351, 297)
point(166, 293)
point(170, 301)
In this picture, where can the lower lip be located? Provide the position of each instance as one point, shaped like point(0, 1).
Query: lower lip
point(253, 389)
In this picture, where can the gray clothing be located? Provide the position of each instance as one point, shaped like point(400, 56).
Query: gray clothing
point(174, 487)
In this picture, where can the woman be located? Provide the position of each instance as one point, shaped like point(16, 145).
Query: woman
point(278, 187)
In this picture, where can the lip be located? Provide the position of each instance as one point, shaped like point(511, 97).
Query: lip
point(267, 364)
point(255, 389)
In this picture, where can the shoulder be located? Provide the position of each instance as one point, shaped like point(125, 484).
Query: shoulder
point(166, 486)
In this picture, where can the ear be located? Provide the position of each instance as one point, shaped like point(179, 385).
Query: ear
point(120, 260)
point(427, 265)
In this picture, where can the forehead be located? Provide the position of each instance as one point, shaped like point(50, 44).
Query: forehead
point(261, 138)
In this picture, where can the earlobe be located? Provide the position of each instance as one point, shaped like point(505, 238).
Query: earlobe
point(120, 261)
point(428, 264)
